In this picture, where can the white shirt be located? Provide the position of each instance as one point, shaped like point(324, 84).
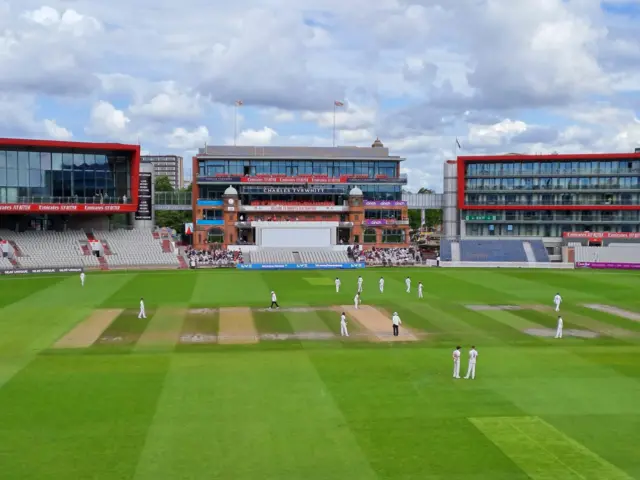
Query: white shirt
point(273, 297)
point(396, 320)
point(557, 299)
point(356, 299)
point(456, 355)
point(560, 322)
point(473, 354)
point(360, 281)
point(337, 282)
point(408, 281)
point(82, 276)
point(343, 320)
point(420, 287)
point(141, 305)
point(381, 282)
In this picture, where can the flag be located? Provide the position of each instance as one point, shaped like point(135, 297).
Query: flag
point(458, 143)
point(338, 103)
point(239, 103)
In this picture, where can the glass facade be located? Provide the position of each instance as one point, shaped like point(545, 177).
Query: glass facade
point(61, 177)
point(553, 183)
point(293, 168)
point(370, 192)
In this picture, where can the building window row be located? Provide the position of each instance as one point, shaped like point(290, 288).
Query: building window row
point(553, 199)
point(298, 167)
point(557, 183)
point(370, 192)
point(606, 167)
point(383, 214)
point(541, 230)
point(551, 216)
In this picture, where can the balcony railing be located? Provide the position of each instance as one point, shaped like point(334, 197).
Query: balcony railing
point(554, 188)
point(552, 203)
point(74, 200)
point(555, 173)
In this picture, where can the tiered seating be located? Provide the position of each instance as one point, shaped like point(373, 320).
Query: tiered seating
point(5, 264)
point(324, 256)
point(50, 249)
point(445, 250)
point(272, 256)
point(492, 251)
point(136, 248)
point(611, 254)
point(539, 250)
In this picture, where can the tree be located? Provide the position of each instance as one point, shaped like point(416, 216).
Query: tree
point(432, 218)
point(163, 184)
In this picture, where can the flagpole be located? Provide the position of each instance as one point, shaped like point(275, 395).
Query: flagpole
point(334, 123)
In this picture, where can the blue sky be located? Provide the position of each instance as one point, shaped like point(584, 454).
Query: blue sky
point(501, 75)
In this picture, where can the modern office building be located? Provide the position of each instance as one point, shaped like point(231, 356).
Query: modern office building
point(167, 165)
point(53, 184)
point(542, 195)
point(315, 196)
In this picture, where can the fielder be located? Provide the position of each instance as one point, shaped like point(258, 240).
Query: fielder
point(142, 313)
point(356, 300)
point(557, 300)
point(456, 363)
point(360, 284)
point(337, 285)
point(274, 301)
point(396, 324)
point(381, 284)
point(471, 371)
point(559, 329)
point(420, 290)
point(407, 282)
point(82, 276)
point(343, 326)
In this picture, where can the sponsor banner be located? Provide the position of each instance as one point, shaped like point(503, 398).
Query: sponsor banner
point(172, 208)
point(385, 203)
point(295, 208)
point(27, 271)
point(209, 203)
point(301, 179)
point(214, 178)
point(300, 266)
point(602, 235)
point(294, 190)
point(64, 208)
point(609, 265)
point(381, 222)
point(143, 212)
point(210, 222)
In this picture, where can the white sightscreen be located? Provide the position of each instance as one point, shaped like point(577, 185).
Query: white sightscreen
point(296, 237)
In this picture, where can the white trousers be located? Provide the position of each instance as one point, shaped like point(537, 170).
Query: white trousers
point(419, 293)
point(337, 288)
point(142, 314)
point(557, 307)
point(381, 288)
point(82, 282)
point(356, 304)
point(456, 369)
point(408, 289)
point(343, 330)
point(559, 332)
point(471, 371)
point(359, 288)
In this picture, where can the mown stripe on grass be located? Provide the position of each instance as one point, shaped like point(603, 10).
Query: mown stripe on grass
point(163, 330)
point(544, 452)
point(124, 332)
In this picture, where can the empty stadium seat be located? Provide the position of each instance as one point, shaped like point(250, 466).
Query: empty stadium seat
point(539, 250)
point(492, 251)
point(136, 247)
point(445, 250)
point(611, 254)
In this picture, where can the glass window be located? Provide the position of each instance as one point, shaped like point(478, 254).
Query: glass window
point(67, 160)
point(369, 235)
point(35, 178)
point(215, 235)
point(56, 161)
point(34, 160)
point(12, 177)
point(3, 159)
point(12, 160)
point(23, 176)
point(3, 177)
point(393, 236)
point(101, 159)
point(23, 160)
point(90, 159)
point(78, 159)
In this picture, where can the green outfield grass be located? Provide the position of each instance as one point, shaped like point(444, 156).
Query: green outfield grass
point(176, 396)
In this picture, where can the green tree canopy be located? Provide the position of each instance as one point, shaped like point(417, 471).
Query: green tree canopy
point(163, 184)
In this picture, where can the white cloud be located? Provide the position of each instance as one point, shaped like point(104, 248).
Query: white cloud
point(264, 136)
point(108, 121)
point(56, 131)
point(182, 139)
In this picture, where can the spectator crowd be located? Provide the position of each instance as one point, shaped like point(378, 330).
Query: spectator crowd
point(385, 256)
point(213, 258)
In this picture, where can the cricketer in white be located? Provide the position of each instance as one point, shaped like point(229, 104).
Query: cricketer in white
point(557, 300)
point(471, 371)
point(343, 326)
point(337, 285)
point(142, 313)
point(456, 363)
point(559, 329)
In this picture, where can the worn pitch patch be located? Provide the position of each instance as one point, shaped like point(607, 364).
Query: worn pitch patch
point(237, 326)
point(615, 311)
point(551, 333)
point(377, 324)
point(88, 332)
